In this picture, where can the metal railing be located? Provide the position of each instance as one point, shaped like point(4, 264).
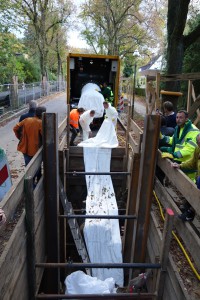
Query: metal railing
point(15, 96)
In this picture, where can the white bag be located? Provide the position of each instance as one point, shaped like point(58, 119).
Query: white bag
point(80, 283)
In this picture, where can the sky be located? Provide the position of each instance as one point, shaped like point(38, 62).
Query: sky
point(75, 39)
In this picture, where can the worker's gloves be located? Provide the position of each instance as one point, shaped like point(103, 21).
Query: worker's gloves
point(96, 90)
point(161, 136)
point(167, 155)
point(166, 149)
point(113, 119)
point(175, 154)
point(2, 217)
point(78, 134)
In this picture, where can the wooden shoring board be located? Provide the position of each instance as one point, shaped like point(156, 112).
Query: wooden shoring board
point(194, 107)
point(184, 230)
point(62, 126)
point(16, 193)
point(180, 77)
point(186, 187)
point(174, 288)
point(12, 261)
point(145, 187)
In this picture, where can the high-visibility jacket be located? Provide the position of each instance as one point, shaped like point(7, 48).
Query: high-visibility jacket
point(29, 133)
point(193, 163)
point(74, 118)
point(182, 143)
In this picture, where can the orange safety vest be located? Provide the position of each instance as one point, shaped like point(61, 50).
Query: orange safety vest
point(74, 118)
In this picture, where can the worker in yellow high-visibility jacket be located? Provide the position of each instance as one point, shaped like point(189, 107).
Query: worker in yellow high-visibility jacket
point(181, 146)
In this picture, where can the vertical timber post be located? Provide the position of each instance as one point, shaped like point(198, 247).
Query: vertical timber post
point(158, 102)
point(131, 210)
point(189, 96)
point(30, 229)
point(145, 186)
point(166, 240)
point(51, 185)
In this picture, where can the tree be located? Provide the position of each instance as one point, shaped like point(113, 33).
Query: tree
point(44, 16)
point(177, 39)
point(111, 26)
point(10, 64)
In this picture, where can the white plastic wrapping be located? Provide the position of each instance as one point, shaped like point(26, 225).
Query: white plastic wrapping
point(106, 137)
point(91, 99)
point(80, 283)
point(102, 236)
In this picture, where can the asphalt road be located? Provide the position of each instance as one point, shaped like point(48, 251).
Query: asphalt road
point(9, 142)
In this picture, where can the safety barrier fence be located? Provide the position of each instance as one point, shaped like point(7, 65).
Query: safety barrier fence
point(14, 96)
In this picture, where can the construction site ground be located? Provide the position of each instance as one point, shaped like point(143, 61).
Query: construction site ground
point(189, 279)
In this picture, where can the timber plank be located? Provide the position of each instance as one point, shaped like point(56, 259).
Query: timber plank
point(176, 280)
point(20, 288)
point(13, 258)
point(185, 230)
point(63, 143)
point(183, 183)
point(176, 285)
point(40, 250)
point(134, 145)
point(178, 77)
point(136, 129)
point(62, 126)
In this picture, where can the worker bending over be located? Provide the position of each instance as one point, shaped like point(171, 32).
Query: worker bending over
point(74, 125)
point(85, 120)
point(110, 112)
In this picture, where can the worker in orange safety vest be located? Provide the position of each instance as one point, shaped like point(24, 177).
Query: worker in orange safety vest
point(74, 125)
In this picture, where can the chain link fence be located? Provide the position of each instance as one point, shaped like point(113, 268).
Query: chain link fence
point(15, 96)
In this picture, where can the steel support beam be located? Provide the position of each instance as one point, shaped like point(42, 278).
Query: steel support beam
point(99, 265)
point(51, 186)
point(145, 186)
point(98, 216)
point(121, 296)
point(74, 173)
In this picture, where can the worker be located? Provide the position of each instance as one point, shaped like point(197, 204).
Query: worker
point(29, 133)
point(74, 123)
point(169, 114)
point(110, 112)
point(188, 212)
point(182, 144)
point(107, 93)
point(85, 120)
point(31, 112)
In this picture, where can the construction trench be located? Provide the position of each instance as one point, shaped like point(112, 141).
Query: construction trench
point(48, 242)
